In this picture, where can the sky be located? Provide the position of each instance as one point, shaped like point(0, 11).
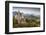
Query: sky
point(27, 10)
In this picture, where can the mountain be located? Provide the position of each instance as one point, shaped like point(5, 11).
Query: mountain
point(14, 13)
point(27, 15)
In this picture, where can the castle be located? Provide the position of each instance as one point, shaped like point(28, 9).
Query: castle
point(20, 17)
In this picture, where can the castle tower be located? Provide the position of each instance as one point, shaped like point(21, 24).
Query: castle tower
point(19, 17)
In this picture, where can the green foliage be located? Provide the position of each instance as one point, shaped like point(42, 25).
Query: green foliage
point(29, 23)
point(14, 22)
